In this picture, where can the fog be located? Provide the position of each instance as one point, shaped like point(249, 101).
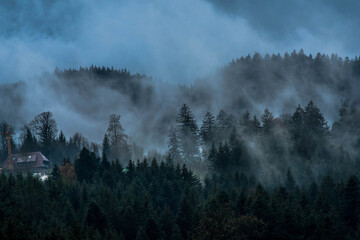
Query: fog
point(178, 42)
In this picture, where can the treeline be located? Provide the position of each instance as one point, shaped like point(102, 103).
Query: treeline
point(279, 82)
point(137, 87)
point(96, 199)
point(265, 79)
point(267, 146)
point(41, 134)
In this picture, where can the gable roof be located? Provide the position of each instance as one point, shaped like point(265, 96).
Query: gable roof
point(27, 160)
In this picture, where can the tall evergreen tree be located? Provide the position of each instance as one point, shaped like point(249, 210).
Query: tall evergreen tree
point(255, 125)
point(245, 122)
point(174, 145)
point(86, 165)
point(211, 158)
point(188, 133)
point(105, 146)
point(238, 152)
point(224, 124)
point(314, 120)
point(207, 130)
point(62, 138)
point(268, 120)
point(29, 142)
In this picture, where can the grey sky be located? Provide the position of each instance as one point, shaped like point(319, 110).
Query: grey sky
point(175, 41)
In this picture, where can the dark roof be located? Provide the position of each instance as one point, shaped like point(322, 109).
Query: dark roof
point(26, 160)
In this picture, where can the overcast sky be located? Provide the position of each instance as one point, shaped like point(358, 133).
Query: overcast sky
point(175, 41)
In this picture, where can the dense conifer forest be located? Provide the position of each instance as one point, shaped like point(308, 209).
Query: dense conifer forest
point(250, 155)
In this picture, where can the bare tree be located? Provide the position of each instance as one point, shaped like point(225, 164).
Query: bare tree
point(118, 139)
point(45, 128)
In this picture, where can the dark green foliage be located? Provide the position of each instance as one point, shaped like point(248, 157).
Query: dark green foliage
point(105, 146)
point(350, 207)
point(29, 143)
point(268, 120)
point(95, 218)
point(249, 191)
point(174, 145)
point(86, 165)
point(188, 133)
point(223, 126)
point(207, 130)
point(145, 204)
point(141, 234)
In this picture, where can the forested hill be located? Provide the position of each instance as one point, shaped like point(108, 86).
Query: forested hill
point(282, 82)
point(135, 86)
point(83, 98)
point(251, 83)
point(267, 148)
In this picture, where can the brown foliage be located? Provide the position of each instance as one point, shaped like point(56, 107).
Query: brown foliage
point(68, 173)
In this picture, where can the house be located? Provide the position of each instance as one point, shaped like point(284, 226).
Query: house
point(34, 162)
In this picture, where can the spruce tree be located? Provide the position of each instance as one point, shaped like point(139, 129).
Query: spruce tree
point(29, 143)
point(105, 146)
point(207, 130)
point(174, 145)
point(268, 120)
point(188, 133)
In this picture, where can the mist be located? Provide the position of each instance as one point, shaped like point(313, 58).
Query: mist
point(178, 42)
point(201, 119)
point(175, 42)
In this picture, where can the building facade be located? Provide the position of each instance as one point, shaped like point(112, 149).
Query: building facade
point(34, 162)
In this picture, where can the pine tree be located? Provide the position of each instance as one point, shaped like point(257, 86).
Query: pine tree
point(245, 122)
point(62, 138)
point(298, 119)
point(255, 125)
point(185, 217)
point(104, 164)
point(86, 165)
point(174, 145)
point(238, 153)
point(207, 130)
point(188, 134)
point(29, 143)
point(105, 146)
point(224, 123)
point(222, 160)
point(259, 205)
point(314, 119)
point(211, 159)
point(268, 120)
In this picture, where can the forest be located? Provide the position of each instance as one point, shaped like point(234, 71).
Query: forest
point(251, 156)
